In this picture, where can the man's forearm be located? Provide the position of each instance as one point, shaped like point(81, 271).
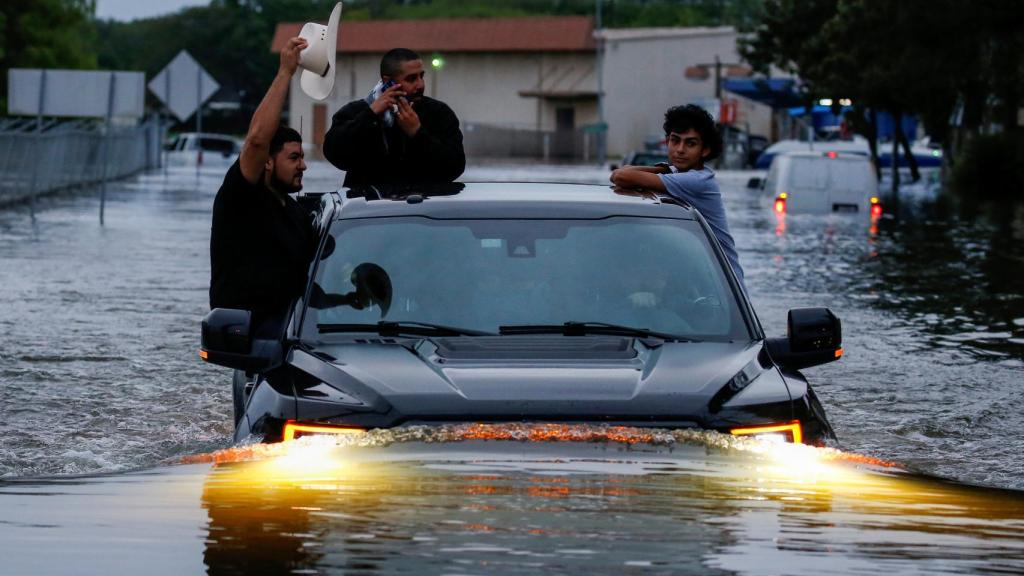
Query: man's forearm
point(267, 117)
point(648, 169)
point(633, 177)
point(268, 114)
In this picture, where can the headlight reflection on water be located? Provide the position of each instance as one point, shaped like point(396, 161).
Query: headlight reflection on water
point(316, 456)
point(521, 499)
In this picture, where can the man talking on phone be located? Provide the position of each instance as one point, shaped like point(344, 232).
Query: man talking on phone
point(396, 135)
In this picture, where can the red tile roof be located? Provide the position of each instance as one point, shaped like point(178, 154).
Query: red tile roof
point(540, 34)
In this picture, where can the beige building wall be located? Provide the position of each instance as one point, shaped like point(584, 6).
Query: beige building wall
point(644, 75)
point(483, 88)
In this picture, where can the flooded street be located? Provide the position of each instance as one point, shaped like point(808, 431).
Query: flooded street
point(687, 505)
point(99, 374)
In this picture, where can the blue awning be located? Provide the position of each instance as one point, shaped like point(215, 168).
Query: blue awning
point(775, 92)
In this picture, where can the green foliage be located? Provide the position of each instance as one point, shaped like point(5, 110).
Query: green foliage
point(922, 57)
point(45, 34)
point(616, 13)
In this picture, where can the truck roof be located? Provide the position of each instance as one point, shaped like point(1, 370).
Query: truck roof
point(508, 200)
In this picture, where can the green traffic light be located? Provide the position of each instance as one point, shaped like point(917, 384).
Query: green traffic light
point(437, 62)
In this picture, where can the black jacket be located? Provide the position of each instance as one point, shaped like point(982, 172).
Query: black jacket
point(260, 247)
point(371, 153)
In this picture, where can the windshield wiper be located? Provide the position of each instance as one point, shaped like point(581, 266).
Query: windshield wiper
point(386, 328)
point(583, 328)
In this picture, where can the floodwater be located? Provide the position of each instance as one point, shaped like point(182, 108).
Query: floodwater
point(445, 502)
point(100, 376)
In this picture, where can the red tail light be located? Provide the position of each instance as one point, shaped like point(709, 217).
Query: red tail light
point(780, 205)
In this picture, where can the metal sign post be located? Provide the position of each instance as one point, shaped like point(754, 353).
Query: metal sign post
point(39, 129)
point(181, 97)
point(199, 120)
point(108, 128)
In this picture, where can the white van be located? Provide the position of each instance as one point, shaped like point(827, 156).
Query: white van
point(809, 182)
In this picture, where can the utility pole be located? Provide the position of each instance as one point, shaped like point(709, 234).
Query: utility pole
point(602, 134)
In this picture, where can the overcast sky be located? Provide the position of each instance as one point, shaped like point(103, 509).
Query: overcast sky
point(134, 9)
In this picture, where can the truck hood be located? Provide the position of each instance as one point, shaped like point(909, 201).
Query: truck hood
point(542, 377)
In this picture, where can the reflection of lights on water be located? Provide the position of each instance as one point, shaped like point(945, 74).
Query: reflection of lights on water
point(780, 223)
point(320, 458)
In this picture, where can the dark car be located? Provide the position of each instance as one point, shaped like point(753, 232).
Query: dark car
point(521, 303)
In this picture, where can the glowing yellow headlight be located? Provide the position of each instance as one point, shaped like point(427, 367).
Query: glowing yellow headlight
point(794, 430)
point(293, 429)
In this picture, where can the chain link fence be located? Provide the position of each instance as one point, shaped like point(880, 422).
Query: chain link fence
point(38, 158)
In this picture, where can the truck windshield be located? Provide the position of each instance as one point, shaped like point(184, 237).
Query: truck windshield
point(652, 273)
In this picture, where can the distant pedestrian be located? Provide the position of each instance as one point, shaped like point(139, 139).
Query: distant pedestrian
point(396, 134)
point(262, 240)
point(692, 140)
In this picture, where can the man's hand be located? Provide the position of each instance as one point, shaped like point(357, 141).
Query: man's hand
point(387, 99)
point(408, 119)
point(290, 55)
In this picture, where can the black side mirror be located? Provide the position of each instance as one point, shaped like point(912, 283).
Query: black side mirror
point(754, 183)
point(227, 340)
point(815, 336)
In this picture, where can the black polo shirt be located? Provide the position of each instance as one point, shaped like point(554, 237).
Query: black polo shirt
point(261, 246)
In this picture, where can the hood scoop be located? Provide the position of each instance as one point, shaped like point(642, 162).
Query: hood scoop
point(536, 347)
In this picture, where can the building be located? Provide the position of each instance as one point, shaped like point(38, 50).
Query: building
point(647, 70)
point(506, 78)
point(529, 86)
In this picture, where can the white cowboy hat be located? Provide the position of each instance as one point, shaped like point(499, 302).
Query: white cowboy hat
point(317, 59)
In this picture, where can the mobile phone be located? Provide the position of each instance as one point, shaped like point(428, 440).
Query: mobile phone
point(388, 84)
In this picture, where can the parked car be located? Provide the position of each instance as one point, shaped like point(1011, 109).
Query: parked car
point(205, 149)
point(643, 158)
point(821, 183)
point(520, 303)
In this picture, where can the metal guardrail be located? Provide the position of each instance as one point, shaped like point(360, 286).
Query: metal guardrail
point(38, 158)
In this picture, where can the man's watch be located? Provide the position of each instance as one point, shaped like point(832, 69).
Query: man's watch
point(665, 165)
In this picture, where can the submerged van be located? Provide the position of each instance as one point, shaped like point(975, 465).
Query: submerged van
point(810, 182)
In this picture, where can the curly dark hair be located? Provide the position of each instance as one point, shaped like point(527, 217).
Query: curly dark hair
point(680, 119)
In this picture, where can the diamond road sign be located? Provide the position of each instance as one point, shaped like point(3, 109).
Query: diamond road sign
point(183, 85)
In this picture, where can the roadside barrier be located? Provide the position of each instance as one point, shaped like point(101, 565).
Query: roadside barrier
point(38, 158)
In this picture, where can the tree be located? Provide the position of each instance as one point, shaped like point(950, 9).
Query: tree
point(45, 34)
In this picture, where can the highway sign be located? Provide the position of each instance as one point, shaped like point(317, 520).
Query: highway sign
point(183, 86)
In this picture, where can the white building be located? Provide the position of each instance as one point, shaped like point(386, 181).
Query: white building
point(648, 70)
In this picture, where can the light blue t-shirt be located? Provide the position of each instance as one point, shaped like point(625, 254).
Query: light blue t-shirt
point(699, 189)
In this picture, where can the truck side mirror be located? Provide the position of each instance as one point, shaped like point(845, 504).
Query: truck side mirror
point(227, 341)
point(815, 336)
point(754, 183)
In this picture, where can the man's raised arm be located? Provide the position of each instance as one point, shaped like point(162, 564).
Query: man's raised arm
point(256, 150)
